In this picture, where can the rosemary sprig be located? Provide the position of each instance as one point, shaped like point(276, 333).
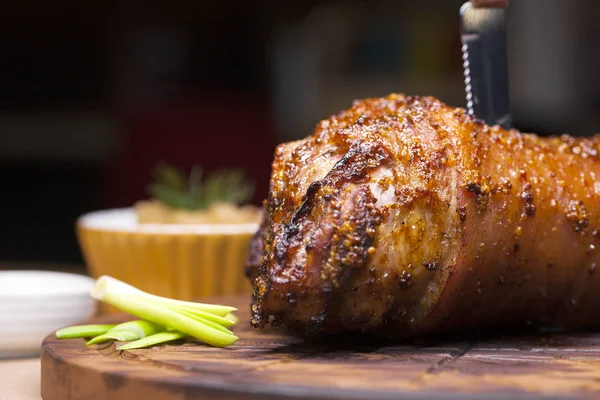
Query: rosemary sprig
point(174, 188)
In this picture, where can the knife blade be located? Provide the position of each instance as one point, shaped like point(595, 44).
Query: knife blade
point(485, 66)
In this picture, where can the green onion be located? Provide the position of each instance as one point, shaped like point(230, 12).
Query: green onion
point(116, 286)
point(157, 338)
point(183, 316)
point(161, 319)
point(233, 318)
point(207, 316)
point(83, 331)
point(206, 321)
point(124, 336)
point(132, 330)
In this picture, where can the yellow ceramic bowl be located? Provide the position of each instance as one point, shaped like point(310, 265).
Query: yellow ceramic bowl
point(182, 261)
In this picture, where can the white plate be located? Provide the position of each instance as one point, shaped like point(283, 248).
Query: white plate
point(34, 304)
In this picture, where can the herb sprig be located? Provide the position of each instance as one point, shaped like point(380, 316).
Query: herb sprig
point(176, 189)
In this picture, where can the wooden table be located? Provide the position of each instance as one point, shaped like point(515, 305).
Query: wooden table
point(20, 379)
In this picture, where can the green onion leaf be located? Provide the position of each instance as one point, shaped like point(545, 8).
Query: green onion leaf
point(83, 331)
point(106, 282)
point(226, 322)
point(206, 322)
point(157, 338)
point(233, 318)
point(123, 336)
point(132, 330)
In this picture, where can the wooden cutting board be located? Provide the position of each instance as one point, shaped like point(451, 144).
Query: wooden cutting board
point(275, 365)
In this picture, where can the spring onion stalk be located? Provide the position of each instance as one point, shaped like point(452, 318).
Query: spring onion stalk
point(206, 321)
point(113, 285)
point(140, 307)
point(132, 330)
point(83, 331)
point(207, 316)
point(165, 311)
point(152, 340)
point(233, 318)
point(124, 336)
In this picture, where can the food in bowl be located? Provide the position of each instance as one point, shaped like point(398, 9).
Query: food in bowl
point(157, 212)
point(189, 240)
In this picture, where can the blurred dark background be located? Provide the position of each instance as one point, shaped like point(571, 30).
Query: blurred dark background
point(93, 94)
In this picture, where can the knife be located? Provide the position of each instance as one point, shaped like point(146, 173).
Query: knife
point(485, 66)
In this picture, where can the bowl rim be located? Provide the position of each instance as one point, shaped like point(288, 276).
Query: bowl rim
point(79, 284)
point(124, 220)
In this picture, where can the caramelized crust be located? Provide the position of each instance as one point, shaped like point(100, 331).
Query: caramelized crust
point(403, 216)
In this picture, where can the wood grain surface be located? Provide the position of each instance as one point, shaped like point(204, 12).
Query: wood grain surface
point(274, 365)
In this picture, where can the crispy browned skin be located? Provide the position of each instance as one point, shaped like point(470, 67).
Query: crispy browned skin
point(403, 216)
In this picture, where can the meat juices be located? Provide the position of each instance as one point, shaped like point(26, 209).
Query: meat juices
point(403, 216)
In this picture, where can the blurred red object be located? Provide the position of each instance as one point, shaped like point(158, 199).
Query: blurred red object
point(217, 131)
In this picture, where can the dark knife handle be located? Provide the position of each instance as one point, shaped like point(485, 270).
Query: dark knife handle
point(485, 63)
